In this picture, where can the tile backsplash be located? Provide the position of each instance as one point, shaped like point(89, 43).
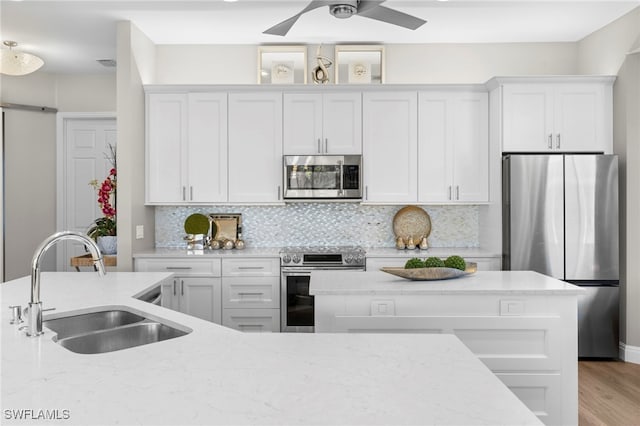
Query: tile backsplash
point(315, 224)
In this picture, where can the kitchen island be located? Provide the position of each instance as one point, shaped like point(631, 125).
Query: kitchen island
point(216, 375)
point(521, 324)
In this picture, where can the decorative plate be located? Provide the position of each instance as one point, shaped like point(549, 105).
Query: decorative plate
point(197, 224)
point(430, 274)
point(412, 221)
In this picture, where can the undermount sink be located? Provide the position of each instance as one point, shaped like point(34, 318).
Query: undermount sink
point(110, 330)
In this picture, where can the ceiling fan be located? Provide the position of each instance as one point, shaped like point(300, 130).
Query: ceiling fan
point(343, 9)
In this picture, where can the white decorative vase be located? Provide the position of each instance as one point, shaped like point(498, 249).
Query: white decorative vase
point(108, 244)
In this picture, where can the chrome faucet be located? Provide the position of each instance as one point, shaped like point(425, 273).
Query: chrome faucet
point(34, 319)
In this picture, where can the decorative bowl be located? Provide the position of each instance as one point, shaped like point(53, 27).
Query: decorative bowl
point(430, 274)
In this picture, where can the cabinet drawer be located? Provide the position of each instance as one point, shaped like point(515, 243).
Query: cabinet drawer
point(251, 292)
point(541, 393)
point(251, 267)
point(208, 267)
point(252, 320)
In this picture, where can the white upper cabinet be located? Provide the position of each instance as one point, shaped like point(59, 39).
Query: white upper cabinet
point(165, 147)
point(390, 142)
point(453, 147)
point(571, 116)
point(186, 151)
point(207, 147)
point(323, 123)
point(255, 147)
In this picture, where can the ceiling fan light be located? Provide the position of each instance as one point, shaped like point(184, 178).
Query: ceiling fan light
point(343, 11)
point(13, 62)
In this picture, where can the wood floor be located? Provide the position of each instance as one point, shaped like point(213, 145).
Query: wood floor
point(609, 393)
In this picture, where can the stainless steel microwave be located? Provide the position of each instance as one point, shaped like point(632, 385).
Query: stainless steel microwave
point(322, 177)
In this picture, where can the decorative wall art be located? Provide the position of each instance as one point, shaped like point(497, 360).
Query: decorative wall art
point(359, 64)
point(282, 64)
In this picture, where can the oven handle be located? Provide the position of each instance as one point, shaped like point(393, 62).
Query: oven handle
point(306, 271)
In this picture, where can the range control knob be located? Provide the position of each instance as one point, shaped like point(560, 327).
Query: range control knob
point(296, 258)
point(286, 258)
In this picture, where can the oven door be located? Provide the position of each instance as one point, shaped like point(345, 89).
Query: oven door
point(296, 304)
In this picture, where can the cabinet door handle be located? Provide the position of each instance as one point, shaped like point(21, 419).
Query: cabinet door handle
point(184, 193)
point(249, 294)
point(457, 192)
point(319, 146)
point(178, 267)
point(558, 141)
point(326, 145)
point(366, 193)
point(250, 267)
point(174, 287)
point(191, 193)
point(182, 287)
point(450, 192)
point(278, 192)
point(550, 144)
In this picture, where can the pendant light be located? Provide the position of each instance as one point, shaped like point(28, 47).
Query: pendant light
point(13, 62)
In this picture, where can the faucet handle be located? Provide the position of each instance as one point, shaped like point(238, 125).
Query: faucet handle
point(16, 314)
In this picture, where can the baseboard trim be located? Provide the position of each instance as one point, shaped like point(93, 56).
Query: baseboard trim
point(629, 353)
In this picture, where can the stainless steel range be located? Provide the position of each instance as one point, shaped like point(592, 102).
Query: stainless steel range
point(297, 263)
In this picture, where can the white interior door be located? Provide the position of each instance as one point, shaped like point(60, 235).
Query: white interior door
point(85, 145)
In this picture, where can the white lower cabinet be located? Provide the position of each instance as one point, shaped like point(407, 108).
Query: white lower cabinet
point(252, 320)
point(529, 342)
point(196, 289)
point(251, 294)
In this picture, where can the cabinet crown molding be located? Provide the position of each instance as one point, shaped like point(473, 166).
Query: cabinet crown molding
point(495, 82)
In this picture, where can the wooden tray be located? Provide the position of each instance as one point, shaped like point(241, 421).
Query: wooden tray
point(86, 260)
point(430, 274)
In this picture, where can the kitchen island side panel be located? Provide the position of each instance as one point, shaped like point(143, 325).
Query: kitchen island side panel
point(527, 340)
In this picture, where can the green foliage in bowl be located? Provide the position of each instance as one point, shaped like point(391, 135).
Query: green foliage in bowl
point(414, 263)
point(434, 262)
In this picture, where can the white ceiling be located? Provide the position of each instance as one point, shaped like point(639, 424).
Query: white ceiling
point(71, 35)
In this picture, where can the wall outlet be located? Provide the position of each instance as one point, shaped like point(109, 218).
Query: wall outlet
point(139, 232)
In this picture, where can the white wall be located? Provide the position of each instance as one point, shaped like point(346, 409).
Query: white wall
point(605, 51)
point(405, 63)
point(30, 156)
point(136, 60)
point(30, 171)
point(72, 93)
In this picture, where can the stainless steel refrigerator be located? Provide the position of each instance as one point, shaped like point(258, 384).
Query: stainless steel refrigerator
point(560, 218)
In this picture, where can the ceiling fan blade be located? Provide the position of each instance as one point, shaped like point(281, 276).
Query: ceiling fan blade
point(391, 16)
point(283, 27)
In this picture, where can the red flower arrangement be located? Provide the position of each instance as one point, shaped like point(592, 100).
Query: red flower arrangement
point(106, 226)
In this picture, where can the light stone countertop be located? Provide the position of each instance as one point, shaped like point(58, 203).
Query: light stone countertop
point(479, 283)
point(216, 375)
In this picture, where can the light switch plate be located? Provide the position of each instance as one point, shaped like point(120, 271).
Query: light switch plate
point(139, 232)
point(511, 307)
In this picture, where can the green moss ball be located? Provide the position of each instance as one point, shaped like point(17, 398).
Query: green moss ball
point(434, 262)
point(414, 263)
point(455, 262)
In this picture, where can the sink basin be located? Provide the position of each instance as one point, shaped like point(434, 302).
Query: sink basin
point(119, 338)
point(110, 330)
point(94, 321)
